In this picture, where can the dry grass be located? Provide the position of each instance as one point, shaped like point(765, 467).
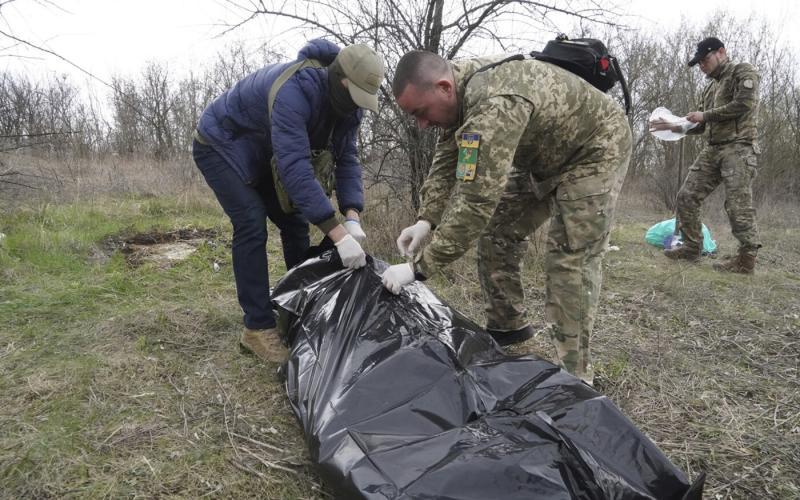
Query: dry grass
point(70, 179)
point(705, 364)
point(125, 381)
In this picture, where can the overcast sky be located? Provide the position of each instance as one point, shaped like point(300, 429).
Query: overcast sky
point(108, 37)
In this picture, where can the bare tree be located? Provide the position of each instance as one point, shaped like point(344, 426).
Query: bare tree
point(156, 107)
point(155, 113)
point(400, 154)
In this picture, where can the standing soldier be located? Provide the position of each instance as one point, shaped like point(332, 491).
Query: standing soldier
point(523, 141)
point(728, 113)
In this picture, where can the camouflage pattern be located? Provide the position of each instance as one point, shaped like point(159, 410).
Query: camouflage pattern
point(730, 104)
point(539, 125)
point(733, 165)
point(730, 108)
point(501, 247)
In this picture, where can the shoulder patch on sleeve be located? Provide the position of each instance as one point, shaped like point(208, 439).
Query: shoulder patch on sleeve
point(748, 84)
point(468, 147)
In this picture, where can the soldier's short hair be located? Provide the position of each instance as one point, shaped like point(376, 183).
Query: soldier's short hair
point(420, 67)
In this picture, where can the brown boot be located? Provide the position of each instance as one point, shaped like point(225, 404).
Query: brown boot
point(742, 263)
point(266, 344)
point(683, 252)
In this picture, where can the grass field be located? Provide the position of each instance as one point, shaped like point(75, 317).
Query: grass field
point(120, 376)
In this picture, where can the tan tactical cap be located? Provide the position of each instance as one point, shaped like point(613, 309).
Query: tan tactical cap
point(363, 67)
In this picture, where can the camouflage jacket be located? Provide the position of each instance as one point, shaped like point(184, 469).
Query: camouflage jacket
point(730, 104)
point(527, 115)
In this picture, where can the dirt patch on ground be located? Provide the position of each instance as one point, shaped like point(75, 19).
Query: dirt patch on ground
point(163, 248)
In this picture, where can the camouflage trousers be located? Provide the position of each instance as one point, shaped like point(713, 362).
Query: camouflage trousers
point(580, 212)
point(733, 165)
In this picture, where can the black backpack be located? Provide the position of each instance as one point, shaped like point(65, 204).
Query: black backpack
point(587, 58)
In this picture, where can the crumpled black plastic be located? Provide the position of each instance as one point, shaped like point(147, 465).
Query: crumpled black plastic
point(403, 397)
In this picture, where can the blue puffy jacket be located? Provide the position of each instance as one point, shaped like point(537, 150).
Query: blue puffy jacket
point(236, 124)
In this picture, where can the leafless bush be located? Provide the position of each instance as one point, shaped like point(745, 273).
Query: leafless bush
point(153, 115)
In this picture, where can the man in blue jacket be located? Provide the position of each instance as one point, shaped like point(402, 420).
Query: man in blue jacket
point(274, 146)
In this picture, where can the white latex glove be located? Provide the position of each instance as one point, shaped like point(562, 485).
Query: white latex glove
point(351, 253)
point(411, 237)
point(354, 228)
point(397, 276)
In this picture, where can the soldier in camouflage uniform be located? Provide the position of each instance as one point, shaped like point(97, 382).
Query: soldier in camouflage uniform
point(728, 115)
point(523, 142)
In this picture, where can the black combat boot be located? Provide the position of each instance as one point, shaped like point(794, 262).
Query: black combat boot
point(509, 337)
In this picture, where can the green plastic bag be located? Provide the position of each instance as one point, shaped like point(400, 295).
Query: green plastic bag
point(661, 234)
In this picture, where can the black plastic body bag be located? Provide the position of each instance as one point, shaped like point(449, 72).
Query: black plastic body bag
point(403, 397)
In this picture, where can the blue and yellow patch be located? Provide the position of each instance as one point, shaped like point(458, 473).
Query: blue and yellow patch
point(468, 157)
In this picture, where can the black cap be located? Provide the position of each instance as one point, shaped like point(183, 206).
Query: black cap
point(708, 45)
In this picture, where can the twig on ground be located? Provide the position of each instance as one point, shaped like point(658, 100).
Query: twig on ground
point(247, 469)
point(269, 464)
point(225, 412)
point(150, 466)
point(740, 478)
point(259, 443)
point(111, 435)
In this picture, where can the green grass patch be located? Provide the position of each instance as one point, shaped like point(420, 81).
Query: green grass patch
point(122, 377)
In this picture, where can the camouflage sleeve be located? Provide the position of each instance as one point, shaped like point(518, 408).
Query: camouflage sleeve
point(491, 131)
point(745, 93)
point(698, 130)
point(435, 192)
point(701, 127)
